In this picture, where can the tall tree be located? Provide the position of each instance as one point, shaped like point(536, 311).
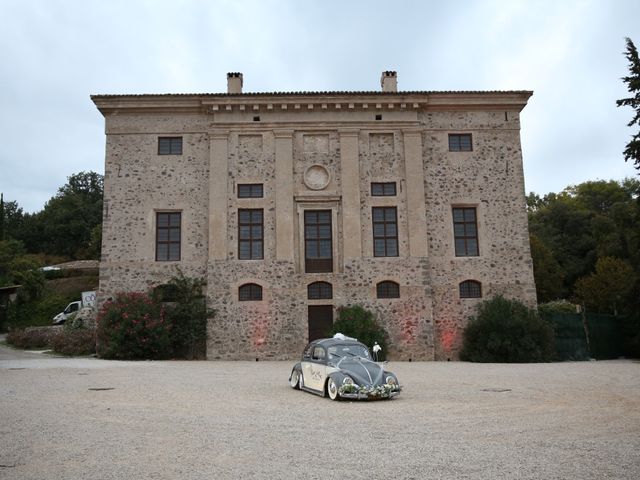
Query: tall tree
point(64, 227)
point(632, 151)
point(608, 288)
point(1, 217)
point(578, 226)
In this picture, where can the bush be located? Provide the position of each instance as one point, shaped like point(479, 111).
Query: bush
point(357, 322)
point(36, 338)
point(507, 331)
point(556, 306)
point(75, 341)
point(187, 314)
point(133, 327)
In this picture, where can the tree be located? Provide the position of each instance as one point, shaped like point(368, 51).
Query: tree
point(548, 274)
point(67, 222)
point(2, 237)
point(578, 226)
point(608, 287)
point(632, 150)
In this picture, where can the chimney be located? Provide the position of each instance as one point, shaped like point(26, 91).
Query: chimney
point(234, 82)
point(389, 81)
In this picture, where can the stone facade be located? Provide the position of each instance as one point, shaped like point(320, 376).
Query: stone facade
point(319, 151)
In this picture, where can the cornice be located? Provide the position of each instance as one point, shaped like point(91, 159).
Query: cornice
point(301, 102)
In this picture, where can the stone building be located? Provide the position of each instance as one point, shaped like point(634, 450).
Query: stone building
point(291, 205)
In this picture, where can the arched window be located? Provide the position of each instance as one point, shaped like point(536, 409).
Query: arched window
point(470, 289)
point(388, 289)
point(250, 292)
point(319, 290)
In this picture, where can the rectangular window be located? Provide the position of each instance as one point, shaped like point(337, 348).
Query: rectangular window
point(250, 190)
point(465, 230)
point(385, 232)
point(169, 145)
point(168, 236)
point(383, 189)
point(318, 247)
point(460, 142)
point(250, 234)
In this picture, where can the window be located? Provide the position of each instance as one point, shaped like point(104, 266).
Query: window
point(250, 190)
point(168, 236)
point(383, 189)
point(460, 142)
point(318, 249)
point(470, 289)
point(170, 146)
point(465, 231)
point(388, 289)
point(250, 292)
point(250, 229)
point(319, 290)
point(318, 353)
point(385, 232)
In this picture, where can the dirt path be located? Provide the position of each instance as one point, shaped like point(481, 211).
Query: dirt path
point(95, 419)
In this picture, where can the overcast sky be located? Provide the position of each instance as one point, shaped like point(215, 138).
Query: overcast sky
point(55, 53)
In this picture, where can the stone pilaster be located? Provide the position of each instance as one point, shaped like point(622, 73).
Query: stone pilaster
point(414, 172)
point(218, 178)
point(350, 194)
point(284, 195)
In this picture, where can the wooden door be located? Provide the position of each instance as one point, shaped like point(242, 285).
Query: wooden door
point(320, 321)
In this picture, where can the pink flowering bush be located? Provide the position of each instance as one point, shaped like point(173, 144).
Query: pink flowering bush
point(133, 327)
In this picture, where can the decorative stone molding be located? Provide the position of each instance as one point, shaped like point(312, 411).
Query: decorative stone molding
point(316, 177)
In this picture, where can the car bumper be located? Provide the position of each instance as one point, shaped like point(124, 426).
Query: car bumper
point(370, 395)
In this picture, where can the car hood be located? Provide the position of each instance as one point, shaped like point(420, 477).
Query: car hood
point(364, 372)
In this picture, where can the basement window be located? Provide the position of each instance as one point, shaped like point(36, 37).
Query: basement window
point(470, 289)
point(250, 292)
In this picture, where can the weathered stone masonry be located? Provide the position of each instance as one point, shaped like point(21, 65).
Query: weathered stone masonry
point(319, 151)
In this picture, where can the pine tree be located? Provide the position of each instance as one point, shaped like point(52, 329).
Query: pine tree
point(632, 151)
point(1, 217)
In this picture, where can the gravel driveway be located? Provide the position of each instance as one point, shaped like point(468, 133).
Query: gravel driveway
point(95, 419)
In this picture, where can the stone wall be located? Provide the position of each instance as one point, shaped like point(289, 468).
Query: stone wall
point(352, 150)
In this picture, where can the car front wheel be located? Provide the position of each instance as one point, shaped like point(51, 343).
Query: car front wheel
point(332, 389)
point(294, 381)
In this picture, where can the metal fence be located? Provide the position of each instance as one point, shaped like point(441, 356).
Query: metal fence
point(584, 336)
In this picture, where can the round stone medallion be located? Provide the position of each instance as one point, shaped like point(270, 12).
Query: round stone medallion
point(316, 177)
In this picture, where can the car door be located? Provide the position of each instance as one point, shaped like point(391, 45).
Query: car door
point(314, 369)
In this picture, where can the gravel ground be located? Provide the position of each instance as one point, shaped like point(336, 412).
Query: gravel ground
point(94, 419)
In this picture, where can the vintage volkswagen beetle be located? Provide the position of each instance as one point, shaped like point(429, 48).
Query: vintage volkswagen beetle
point(342, 367)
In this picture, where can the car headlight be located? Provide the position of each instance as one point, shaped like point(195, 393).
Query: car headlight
point(347, 381)
point(391, 380)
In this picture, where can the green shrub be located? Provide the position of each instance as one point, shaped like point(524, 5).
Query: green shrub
point(75, 341)
point(507, 331)
point(187, 314)
point(556, 306)
point(133, 327)
point(357, 322)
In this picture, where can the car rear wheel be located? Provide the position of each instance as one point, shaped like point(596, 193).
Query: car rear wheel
point(294, 381)
point(332, 389)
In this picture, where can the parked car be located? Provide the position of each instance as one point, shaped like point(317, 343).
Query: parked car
point(342, 367)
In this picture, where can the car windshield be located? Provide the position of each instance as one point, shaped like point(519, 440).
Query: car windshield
point(339, 351)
